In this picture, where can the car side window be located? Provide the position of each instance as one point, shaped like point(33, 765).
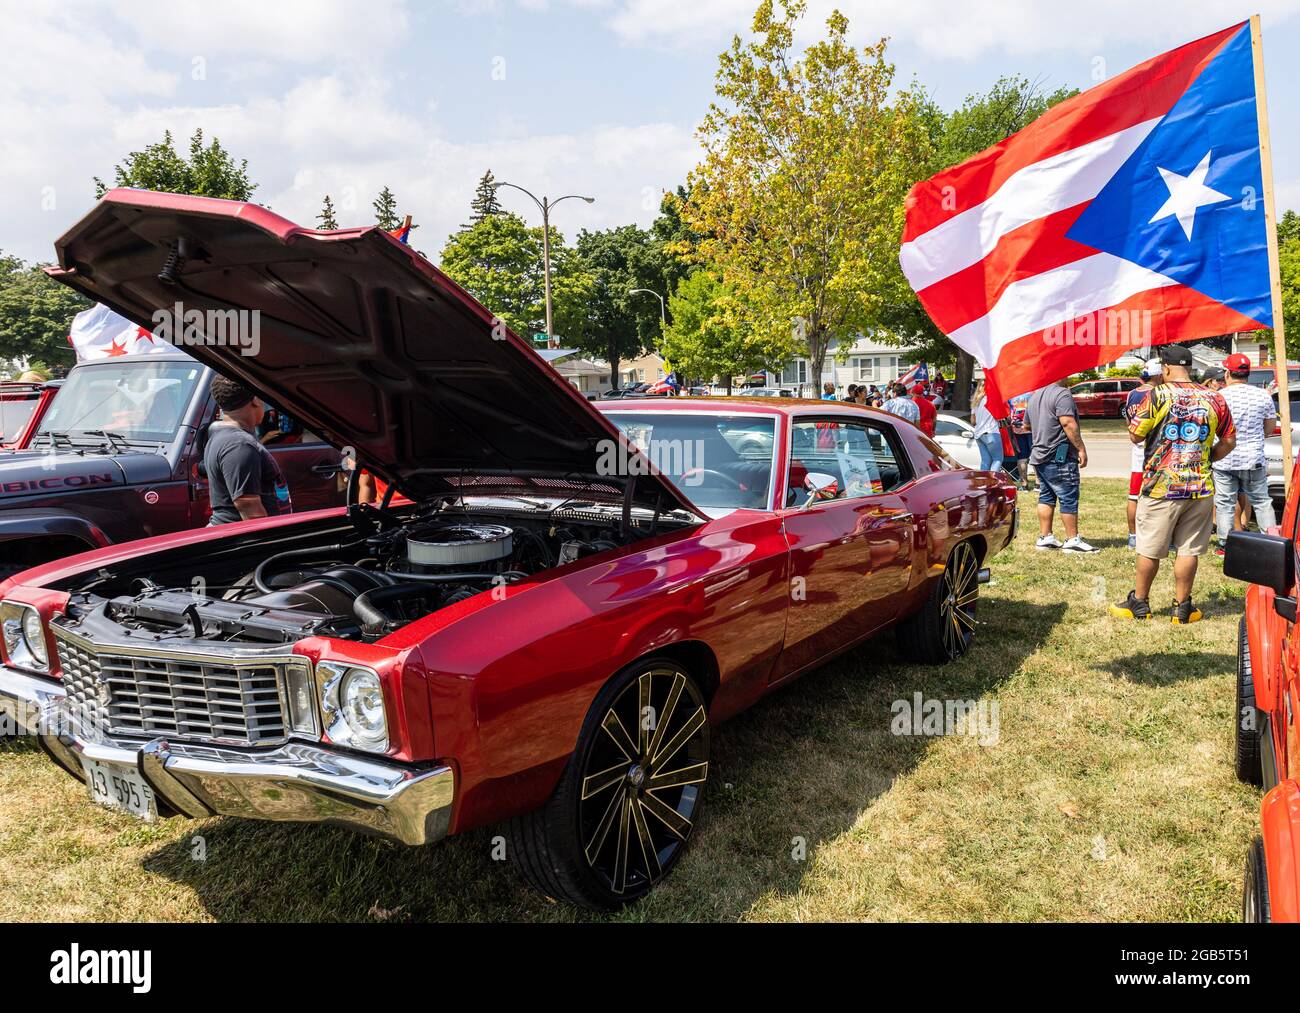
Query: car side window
point(859, 458)
point(945, 428)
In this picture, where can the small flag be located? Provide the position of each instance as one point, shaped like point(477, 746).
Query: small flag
point(403, 232)
point(99, 333)
point(917, 374)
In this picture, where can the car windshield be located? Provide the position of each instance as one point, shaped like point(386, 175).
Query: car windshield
point(13, 417)
point(721, 462)
point(139, 400)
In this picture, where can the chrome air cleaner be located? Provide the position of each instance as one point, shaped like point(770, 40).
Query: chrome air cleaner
point(459, 546)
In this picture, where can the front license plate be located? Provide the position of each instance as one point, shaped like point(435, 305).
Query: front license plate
point(120, 787)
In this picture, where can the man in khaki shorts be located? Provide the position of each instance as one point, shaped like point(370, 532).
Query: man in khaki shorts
point(1184, 428)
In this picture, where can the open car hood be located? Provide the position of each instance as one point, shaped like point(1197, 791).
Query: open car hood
point(363, 340)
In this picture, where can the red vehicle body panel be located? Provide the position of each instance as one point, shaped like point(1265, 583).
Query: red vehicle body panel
point(42, 395)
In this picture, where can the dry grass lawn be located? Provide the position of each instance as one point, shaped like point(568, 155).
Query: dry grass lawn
point(1108, 795)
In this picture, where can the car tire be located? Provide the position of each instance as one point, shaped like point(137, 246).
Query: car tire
point(1246, 721)
point(944, 628)
point(1254, 891)
point(587, 844)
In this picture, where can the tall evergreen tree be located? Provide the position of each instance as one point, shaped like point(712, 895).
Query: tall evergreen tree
point(485, 203)
point(326, 216)
point(386, 210)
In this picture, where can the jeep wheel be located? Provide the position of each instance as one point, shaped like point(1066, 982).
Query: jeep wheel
point(629, 796)
point(1249, 766)
point(1254, 892)
point(944, 628)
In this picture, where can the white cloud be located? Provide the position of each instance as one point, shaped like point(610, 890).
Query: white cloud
point(947, 28)
point(290, 31)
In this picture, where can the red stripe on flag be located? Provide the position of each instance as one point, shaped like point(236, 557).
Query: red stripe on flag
point(1025, 365)
point(1029, 250)
point(1143, 93)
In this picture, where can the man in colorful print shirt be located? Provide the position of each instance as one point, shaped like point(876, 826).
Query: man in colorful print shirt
point(1184, 428)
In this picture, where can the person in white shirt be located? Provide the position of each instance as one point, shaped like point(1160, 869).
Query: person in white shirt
point(1244, 470)
point(901, 405)
point(987, 433)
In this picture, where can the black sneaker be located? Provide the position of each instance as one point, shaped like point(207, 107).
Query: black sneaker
point(1131, 607)
point(1185, 613)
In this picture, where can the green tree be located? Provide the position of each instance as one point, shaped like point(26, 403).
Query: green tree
point(712, 335)
point(485, 203)
point(799, 200)
point(618, 325)
point(326, 216)
point(1288, 229)
point(499, 262)
point(210, 171)
point(385, 206)
point(35, 314)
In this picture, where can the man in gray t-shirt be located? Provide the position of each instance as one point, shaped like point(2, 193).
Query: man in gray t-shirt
point(1058, 454)
point(243, 479)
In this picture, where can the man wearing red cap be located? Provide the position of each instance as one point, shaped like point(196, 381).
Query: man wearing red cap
point(1244, 470)
point(927, 409)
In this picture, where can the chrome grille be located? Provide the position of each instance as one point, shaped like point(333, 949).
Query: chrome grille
point(190, 698)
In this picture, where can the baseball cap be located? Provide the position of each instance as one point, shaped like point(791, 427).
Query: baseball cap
point(1175, 355)
point(1237, 363)
point(1213, 373)
point(918, 388)
point(1153, 367)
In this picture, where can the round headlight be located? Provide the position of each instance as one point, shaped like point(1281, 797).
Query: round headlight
point(361, 699)
point(34, 635)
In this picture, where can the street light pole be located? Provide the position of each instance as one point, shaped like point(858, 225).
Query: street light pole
point(663, 309)
point(545, 205)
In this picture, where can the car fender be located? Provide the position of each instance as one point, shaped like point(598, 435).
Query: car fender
point(511, 680)
point(27, 524)
point(1264, 632)
point(1280, 828)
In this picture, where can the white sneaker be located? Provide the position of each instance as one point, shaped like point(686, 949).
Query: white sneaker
point(1047, 542)
point(1077, 544)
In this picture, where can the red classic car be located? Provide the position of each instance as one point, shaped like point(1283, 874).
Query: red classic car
point(543, 635)
point(22, 405)
point(1267, 752)
point(1104, 398)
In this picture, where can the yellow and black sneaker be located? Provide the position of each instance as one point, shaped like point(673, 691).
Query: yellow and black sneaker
point(1185, 612)
point(1131, 607)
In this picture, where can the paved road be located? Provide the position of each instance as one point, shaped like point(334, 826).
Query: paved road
point(1108, 455)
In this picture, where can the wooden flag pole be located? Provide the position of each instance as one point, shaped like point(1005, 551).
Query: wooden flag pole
point(1274, 270)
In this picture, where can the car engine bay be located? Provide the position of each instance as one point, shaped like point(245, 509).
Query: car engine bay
point(387, 571)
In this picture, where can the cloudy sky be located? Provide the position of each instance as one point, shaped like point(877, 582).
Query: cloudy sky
point(591, 96)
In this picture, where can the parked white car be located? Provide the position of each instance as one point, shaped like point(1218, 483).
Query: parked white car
point(957, 437)
point(1273, 452)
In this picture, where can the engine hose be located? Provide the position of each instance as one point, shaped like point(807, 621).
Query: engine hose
point(509, 576)
point(373, 621)
point(259, 575)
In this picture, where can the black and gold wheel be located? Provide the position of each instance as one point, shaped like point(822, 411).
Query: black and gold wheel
point(944, 627)
point(629, 797)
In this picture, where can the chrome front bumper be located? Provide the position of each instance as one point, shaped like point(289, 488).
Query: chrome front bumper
point(296, 782)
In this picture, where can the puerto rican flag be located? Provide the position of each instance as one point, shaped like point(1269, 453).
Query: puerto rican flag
point(1130, 215)
point(403, 232)
point(919, 373)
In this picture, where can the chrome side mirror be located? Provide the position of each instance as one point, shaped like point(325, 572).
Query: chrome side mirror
point(820, 486)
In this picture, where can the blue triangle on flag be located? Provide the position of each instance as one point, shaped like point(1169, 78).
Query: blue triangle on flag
point(1199, 170)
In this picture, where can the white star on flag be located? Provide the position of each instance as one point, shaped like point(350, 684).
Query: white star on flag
point(1186, 194)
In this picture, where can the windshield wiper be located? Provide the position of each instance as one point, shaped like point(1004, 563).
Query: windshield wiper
point(55, 435)
point(112, 438)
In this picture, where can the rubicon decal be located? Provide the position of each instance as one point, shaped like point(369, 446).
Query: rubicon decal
point(65, 482)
